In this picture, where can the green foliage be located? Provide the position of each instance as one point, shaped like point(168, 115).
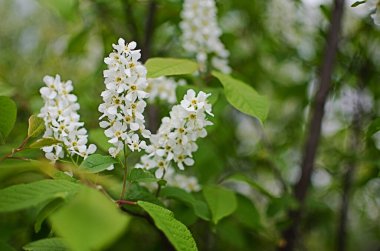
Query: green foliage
point(50, 244)
point(200, 208)
point(96, 163)
point(357, 3)
point(221, 201)
point(281, 204)
point(373, 128)
point(141, 175)
point(46, 211)
point(61, 7)
point(158, 67)
point(243, 97)
point(6, 247)
point(44, 142)
point(8, 113)
point(36, 126)
point(97, 137)
point(175, 231)
point(247, 213)
point(23, 196)
point(89, 222)
point(252, 183)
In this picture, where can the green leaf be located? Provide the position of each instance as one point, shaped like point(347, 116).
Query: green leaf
point(243, 97)
point(158, 67)
point(247, 214)
point(137, 192)
point(36, 126)
point(200, 208)
point(8, 113)
point(174, 230)
point(97, 136)
point(77, 43)
point(23, 196)
point(181, 90)
point(253, 184)
point(44, 142)
point(221, 201)
point(357, 3)
point(373, 128)
point(46, 211)
point(141, 175)
point(90, 221)
point(96, 163)
point(50, 244)
point(5, 247)
point(281, 204)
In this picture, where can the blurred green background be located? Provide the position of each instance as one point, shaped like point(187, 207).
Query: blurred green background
point(276, 46)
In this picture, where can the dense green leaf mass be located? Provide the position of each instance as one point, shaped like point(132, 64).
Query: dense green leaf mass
point(8, 113)
point(200, 208)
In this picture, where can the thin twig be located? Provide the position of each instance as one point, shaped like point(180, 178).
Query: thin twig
point(16, 150)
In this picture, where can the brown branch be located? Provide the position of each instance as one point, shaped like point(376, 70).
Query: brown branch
point(314, 129)
point(149, 30)
point(131, 21)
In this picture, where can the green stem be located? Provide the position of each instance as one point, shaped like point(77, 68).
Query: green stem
point(125, 175)
point(14, 151)
point(159, 184)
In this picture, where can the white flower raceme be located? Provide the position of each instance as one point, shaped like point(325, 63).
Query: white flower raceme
point(374, 5)
point(62, 120)
point(174, 179)
point(176, 137)
point(187, 183)
point(200, 34)
point(123, 107)
point(163, 88)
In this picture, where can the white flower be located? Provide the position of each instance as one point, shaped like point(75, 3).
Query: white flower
point(122, 111)
point(176, 137)
point(163, 89)
point(62, 120)
point(187, 183)
point(200, 34)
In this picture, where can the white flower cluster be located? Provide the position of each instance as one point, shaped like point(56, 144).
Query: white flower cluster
point(62, 120)
point(374, 5)
point(123, 107)
point(201, 34)
point(187, 183)
point(163, 88)
point(341, 109)
point(175, 139)
point(174, 179)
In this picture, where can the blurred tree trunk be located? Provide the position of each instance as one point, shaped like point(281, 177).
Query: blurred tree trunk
point(290, 235)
